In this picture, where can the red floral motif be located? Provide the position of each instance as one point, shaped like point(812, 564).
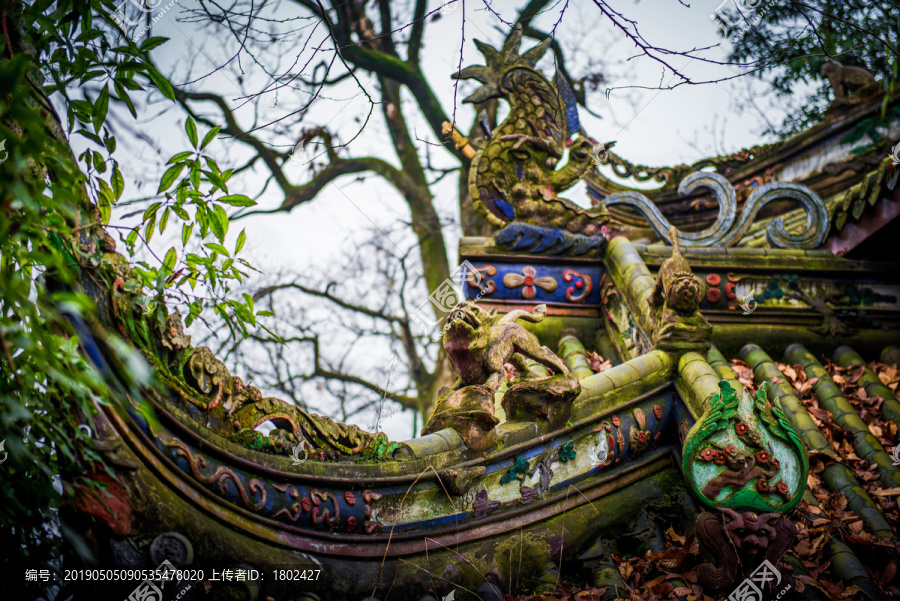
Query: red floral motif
point(528, 281)
point(741, 429)
point(657, 411)
point(775, 462)
point(713, 279)
point(615, 420)
point(762, 485)
point(730, 294)
point(707, 455)
point(348, 496)
point(782, 488)
point(720, 458)
point(762, 457)
point(713, 295)
point(351, 524)
point(730, 449)
point(306, 504)
point(370, 495)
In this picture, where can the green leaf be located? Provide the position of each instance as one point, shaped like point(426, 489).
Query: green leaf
point(105, 209)
point(242, 238)
point(169, 177)
point(149, 228)
point(160, 81)
point(90, 136)
point(191, 128)
point(91, 75)
point(124, 97)
point(191, 259)
point(218, 248)
point(265, 314)
point(215, 179)
point(181, 195)
point(180, 157)
point(170, 260)
point(151, 211)
point(186, 230)
point(219, 222)
point(151, 43)
point(98, 113)
point(107, 199)
point(195, 175)
point(213, 166)
point(164, 220)
point(99, 163)
point(126, 82)
point(210, 135)
point(238, 200)
point(118, 182)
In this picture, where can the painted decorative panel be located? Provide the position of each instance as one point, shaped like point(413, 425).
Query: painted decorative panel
point(524, 282)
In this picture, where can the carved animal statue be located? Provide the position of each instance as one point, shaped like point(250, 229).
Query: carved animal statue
point(676, 288)
point(740, 542)
point(751, 533)
point(514, 176)
point(479, 343)
point(849, 83)
point(678, 325)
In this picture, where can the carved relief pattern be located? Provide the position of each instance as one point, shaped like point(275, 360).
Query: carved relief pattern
point(582, 287)
point(479, 274)
point(312, 507)
point(221, 477)
point(744, 454)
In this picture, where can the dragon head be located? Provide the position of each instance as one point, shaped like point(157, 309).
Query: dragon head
point(468, 322)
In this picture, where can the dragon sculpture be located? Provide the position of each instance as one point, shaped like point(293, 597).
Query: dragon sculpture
point(480, 344)
point(513, 179)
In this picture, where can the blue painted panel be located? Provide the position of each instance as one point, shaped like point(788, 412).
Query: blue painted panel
point(555, 284)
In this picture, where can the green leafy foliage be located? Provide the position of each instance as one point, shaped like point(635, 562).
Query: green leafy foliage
point(51, 205)
point(791, 41)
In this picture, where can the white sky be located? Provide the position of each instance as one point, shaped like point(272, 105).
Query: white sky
point(651, 127)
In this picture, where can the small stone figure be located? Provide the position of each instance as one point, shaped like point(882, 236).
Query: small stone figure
point(479, 344)
point(852, 86)
point(679, 326)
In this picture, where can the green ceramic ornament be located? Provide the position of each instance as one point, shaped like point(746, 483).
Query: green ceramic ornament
point(743, 454)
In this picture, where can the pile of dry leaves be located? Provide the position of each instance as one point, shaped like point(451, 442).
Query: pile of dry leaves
point(672, 574)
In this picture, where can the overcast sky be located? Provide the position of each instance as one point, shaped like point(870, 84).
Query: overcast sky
point(651, 127)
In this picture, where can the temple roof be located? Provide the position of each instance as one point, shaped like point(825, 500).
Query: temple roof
point(845, 161)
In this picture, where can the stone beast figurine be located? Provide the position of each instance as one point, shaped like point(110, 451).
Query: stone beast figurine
point(852, 86)
point(479, 344)
point(675, 305)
